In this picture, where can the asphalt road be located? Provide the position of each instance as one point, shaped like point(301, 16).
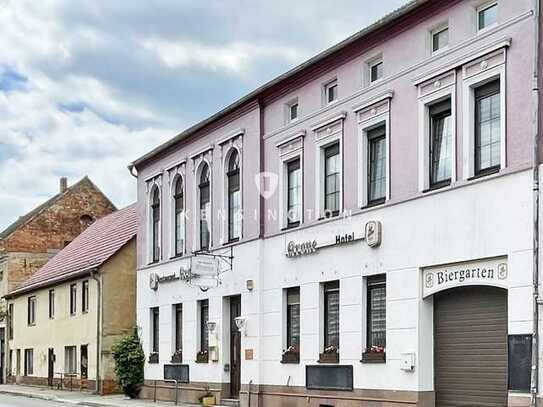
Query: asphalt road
point(17, 401)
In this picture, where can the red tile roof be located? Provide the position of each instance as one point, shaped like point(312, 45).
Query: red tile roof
point(90, 249)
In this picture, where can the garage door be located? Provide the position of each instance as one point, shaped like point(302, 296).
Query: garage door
point(471, 347)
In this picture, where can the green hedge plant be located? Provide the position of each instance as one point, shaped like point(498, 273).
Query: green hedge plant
point(129, 361)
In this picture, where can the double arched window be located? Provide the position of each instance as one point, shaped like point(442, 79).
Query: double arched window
point(234, 197)
point(155, 225)
point(179, 217)
point(205, 207)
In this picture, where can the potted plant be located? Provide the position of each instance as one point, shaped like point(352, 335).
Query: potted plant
point(208, 399)
point(375, 354)
point(330, 355)
point(153, 357)
point(291, 355)
point(202, 356)
point(177, 357)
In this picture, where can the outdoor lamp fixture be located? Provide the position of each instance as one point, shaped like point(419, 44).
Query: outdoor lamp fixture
point(241, 323)
point(211, 325)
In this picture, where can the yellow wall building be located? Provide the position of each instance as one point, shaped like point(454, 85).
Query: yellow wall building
point(75, 308)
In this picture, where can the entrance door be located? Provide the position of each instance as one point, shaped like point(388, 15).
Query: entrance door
point(470, 340)
point(235, 347)
point(50, 366)
point(84, 362)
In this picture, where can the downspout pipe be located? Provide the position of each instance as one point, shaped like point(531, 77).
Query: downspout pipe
point(535, 179)
point(96, 277)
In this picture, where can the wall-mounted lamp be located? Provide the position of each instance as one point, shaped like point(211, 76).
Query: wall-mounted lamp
point(211, 325)
point(241, 323)
point(250, 285)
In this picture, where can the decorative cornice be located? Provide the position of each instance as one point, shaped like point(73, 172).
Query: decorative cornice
point(329, 120)
point(290, 138)
point(379, 98)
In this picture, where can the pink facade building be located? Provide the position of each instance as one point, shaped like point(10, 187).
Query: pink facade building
point(358, 231)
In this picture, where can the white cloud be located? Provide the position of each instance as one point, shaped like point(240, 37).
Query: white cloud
point(106, 81)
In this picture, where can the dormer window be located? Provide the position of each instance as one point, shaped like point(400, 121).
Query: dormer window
point(487, 16)
point(330, 92)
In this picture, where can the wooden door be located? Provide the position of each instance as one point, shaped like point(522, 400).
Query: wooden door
point(50, 366)
point(235, 347)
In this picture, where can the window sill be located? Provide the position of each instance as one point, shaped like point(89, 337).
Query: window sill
point(291, 226)
point(485, 173)
point(230, 241)
point(375, 203)
point(177, 256)
point(437, 186)
point(329, 215)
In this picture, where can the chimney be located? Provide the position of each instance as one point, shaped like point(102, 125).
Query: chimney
point(63, 184)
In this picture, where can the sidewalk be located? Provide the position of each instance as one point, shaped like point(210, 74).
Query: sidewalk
point(80, 398)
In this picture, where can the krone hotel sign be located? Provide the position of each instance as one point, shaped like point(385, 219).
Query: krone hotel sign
point(493, 272)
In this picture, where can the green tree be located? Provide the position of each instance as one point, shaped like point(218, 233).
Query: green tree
point(129, 361)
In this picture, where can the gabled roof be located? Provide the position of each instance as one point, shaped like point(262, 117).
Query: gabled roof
point(23, 220)
point(388, 20)
point(92, 248)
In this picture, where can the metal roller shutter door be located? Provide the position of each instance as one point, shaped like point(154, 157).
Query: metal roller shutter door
point(471, 347)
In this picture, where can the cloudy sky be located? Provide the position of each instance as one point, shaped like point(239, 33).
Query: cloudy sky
point(88, 86)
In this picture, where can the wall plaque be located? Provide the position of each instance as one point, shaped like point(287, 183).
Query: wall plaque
point(249, 353)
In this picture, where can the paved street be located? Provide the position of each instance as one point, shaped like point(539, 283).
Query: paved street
point(17, 401)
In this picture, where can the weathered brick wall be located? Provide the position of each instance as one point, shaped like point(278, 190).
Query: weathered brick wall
point(61, 222)
point(31, 245)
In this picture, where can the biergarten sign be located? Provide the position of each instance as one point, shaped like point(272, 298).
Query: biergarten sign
point(371, 234)
point(490, 272)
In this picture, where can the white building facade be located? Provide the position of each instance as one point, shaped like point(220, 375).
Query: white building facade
point(356, 234)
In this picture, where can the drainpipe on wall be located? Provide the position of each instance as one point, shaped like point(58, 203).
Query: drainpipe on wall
point(94, 275)
point(535, 124)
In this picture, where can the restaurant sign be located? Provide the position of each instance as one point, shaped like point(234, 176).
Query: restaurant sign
point(371, 234)
point(491, 272)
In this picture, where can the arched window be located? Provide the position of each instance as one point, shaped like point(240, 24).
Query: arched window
point(179, 219)
point(155, 224)
point(234, 197)
point(205, 207)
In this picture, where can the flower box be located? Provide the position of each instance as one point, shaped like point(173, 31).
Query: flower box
point(329, 357)
point(290, 357)
point(373, 357)
point(202, 357)
point(153, 357)
point(177, 357)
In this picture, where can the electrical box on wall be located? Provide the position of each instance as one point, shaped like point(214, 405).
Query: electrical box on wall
point(407, 361)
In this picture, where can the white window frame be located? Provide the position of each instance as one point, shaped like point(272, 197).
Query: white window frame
point(363, 129)
point(288, 106)
point(424, 105)
point(225, 231)
point(483, 7)
point(325, 87)
point(286, 156)
point(320, 145)
point(196, 228)
point(370, 64)
point(173, 242)
point(436, 30)
point(468, 111)
point(154, 184)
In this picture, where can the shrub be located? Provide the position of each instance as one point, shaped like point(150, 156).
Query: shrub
point(129, 361)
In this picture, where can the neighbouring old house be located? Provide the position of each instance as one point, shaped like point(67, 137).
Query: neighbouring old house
point(63, 321)
point(29, 242)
